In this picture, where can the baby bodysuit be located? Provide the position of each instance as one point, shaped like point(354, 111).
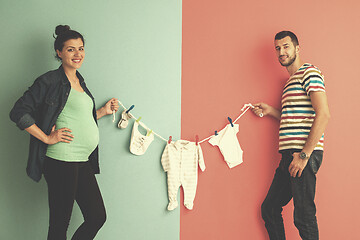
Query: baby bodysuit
point(229, 145)
point(180, 160)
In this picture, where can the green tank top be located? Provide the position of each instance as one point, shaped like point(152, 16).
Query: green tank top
point(77, 116)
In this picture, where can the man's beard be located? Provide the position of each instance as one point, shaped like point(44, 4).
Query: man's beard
point(291, 60)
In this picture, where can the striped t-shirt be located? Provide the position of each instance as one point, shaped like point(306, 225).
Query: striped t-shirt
point(297, 113)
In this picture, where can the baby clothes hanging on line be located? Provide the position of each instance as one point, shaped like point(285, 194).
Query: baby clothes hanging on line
point(124, 120)
point(229, 145)
point(140, 143)
point(180, 160)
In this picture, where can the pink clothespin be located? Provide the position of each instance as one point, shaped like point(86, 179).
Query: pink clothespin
point(170, 139)
point(197, 139)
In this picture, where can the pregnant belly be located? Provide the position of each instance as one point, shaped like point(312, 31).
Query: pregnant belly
point(86, 138)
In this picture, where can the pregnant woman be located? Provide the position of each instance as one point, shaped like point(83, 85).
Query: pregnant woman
point(59, 112)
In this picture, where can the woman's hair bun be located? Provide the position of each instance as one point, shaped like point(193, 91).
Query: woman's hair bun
point(64, 33)
point(60, 29)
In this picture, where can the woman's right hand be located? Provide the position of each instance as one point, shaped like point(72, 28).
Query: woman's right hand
point(60, 135)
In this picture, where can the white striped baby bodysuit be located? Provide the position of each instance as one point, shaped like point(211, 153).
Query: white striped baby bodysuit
point(229, 145)
point(180, 160)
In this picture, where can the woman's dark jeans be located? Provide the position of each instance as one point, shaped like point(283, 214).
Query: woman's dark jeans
point(301, 189)
point(68, 182)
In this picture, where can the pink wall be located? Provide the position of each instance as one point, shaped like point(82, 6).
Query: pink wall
point(229, 60)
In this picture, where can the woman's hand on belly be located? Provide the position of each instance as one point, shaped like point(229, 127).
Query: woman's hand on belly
point(60, 135)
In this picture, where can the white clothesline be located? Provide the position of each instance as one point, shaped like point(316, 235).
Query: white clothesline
point(140, 123)
point(244, 109)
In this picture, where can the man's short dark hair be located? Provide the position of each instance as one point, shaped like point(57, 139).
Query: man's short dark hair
point(284, 34)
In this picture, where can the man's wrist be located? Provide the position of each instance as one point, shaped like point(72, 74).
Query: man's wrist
point(304, 156)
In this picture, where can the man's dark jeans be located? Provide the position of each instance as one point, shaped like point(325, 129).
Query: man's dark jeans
point(301, 189)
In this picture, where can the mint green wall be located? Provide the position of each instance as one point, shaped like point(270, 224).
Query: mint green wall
point(133, 52)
